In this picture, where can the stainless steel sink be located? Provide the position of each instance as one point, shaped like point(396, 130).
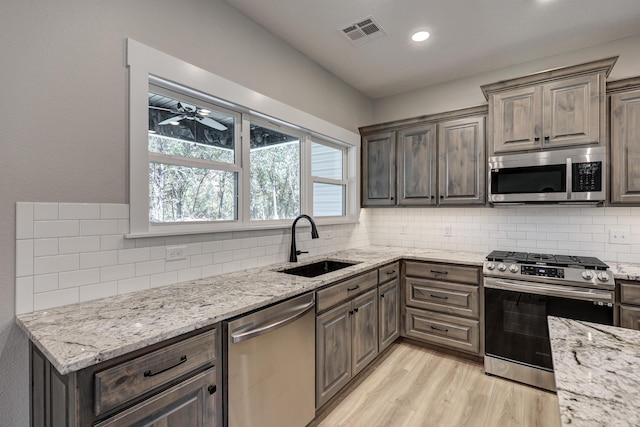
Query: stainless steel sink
point(318, 268)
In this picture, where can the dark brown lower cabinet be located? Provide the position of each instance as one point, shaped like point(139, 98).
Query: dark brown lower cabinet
point(346, 341)
point(170, 384)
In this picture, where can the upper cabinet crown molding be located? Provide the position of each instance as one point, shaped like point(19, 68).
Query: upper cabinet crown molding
point(559, 108)
point(623, 85)
point(599, 66)
point(420, 120)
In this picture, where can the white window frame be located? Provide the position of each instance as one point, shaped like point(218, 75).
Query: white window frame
point(145, 62)
point(344, 181)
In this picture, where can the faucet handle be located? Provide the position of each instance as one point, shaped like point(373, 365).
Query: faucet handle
point(301, 252)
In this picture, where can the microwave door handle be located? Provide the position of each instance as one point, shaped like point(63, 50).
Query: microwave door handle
point(569, 178)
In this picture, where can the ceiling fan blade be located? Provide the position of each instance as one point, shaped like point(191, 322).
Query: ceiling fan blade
point(172, 119)
point(164, 109)
point(208, 121)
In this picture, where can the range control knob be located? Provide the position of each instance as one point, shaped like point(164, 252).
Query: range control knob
point(502, 267)
point(490, 266)
point(513, 268)
point(587, 275)
point(603, 276)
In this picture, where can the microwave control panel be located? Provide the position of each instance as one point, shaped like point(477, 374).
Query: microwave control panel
point(587, 177)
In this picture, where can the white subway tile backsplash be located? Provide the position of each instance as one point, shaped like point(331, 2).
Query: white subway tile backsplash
point(97, 227)
point(114, 211)
point(71, 245)
point(69, 279)
point(45, 211)
point(78, 211)
point(126, 286)
point(215, 246)
point(127, 256)
point(45, 282)
point(98, 259)
point(63, 228)
point(163, 279)
point(43, 247)
point(24, 258)
point(189, 274)
point(201, 260)
point(45, 300)
point(56, 263)
point(100, 290)
point(148, 268)
point(24, 220)
point(117, 272)
point(24, 295)
point(111, 242)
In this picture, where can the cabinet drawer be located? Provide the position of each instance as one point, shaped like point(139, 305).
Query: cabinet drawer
point(444, 330)
point(388, 272)
point(630, 293)
point(448, 272)
point(121, 383)
point(451, 298)
point(630, 317)
point(334, 295)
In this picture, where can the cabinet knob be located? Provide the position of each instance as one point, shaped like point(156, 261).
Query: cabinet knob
point(546, 138)
point(537, 138)
point(391, 198)
point(441, 196)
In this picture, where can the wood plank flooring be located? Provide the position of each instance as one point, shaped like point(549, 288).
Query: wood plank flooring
point(413, 386)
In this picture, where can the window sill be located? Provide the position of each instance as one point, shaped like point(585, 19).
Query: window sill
point(190, 229)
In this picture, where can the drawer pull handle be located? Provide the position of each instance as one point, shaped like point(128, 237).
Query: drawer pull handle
point(439, 296)
point(439, 329)
point(391, 272)
point(148, 373)
point(212, 389)
point(439, 272)
point(354, 288)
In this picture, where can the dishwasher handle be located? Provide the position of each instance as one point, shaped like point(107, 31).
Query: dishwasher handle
point(271, 324)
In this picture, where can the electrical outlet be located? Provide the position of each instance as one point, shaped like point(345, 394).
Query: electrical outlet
point(446, 231)
point(619, 236)
point(176, 252)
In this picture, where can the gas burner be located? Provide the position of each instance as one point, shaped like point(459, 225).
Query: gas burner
point(587, 263)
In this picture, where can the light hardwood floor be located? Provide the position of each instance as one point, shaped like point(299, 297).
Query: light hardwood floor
point(413, 386)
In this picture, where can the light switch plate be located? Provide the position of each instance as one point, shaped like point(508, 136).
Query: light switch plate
point(618, 236)
point(176, 253)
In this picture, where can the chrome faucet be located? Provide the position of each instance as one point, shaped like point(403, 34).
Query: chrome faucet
point(293, 256)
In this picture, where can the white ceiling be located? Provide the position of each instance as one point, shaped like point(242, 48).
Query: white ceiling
point(467, 36)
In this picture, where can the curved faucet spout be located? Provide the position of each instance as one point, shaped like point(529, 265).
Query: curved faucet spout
point(293, 255)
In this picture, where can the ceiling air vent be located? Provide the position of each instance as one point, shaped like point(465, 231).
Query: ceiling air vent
point(364, 30)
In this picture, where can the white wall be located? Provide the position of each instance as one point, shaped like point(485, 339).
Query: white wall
point(63, 112)
point(467, 93)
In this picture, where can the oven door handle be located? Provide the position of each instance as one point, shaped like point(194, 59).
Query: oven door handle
point(561, 291)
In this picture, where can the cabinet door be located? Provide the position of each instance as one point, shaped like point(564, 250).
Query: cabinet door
point(379, 170)
point(389, 306)
point(416, 166)
point(625, 147)
point(630, 317)
point(364, 330)
point(516, 118)
point(571, 112)
point(190, 403)
point(333, 352)
point(461, 161)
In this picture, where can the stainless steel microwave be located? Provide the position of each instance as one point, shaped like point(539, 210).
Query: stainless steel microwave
point(561, 176)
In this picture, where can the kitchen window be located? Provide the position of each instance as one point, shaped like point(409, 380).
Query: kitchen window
point(209, 155)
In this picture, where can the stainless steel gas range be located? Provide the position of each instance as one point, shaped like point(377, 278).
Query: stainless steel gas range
point(520, 290)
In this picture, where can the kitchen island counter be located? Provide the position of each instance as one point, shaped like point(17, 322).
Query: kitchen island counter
point(77, 336)
point(596, 373)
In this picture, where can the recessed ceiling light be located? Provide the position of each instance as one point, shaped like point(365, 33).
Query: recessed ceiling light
point(420, 36)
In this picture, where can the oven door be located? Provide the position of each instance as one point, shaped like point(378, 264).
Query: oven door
point(516, 317)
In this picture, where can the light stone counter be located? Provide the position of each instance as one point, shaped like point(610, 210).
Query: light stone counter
point(625, 271)
point(597, 373)
point(81, 335)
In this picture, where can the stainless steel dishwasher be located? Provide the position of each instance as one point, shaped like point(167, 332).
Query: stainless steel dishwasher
point(270, 366)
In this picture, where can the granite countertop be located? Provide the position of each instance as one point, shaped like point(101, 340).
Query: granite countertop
point(76, 336)
point(596, 373)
